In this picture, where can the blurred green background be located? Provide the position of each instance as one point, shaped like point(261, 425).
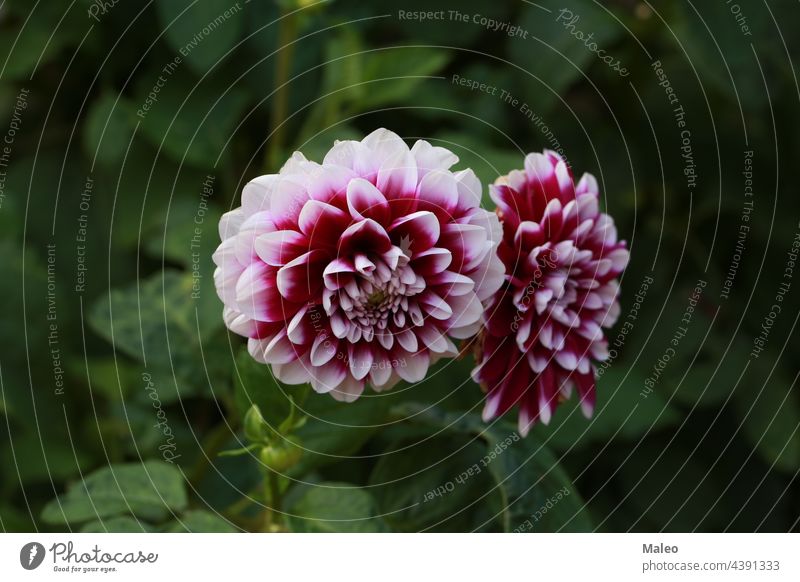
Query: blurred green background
point(129, 128)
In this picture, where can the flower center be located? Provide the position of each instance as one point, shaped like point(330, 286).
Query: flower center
point(376, 298)
point(376, 301)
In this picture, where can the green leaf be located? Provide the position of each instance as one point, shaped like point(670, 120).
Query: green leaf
point(192, 126)
point(113, 378)
point(120, 524)
point(186, 234)
point(720, 51)
point(150, 490)
point(146, 200)
point(552, 54)
point(693, 376)
point(38, 461)
point(229, 478)
point(536, 494)
point(20, 370)
point(249, 449)
point(769, 408)
point(334, 507)
point(709, 384)
point(355, 81)
point(342, 76)
point(485, 116)
point(255, 384)
point(202, 32)
point(539, 494)
point(156, 322)
point(108, 129)
point(620, 412)
point(49, 30)
point(416, 486)
point(335, 430)
point(135, 425)
point(341, 84)
point(396, 73)
point(200, 521)
point(15, 520)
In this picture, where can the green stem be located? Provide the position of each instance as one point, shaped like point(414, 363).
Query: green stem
point(287, 34)
point(274, 491)
point(272, 511)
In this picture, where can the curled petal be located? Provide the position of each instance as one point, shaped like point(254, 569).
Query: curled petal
point(348, 390)
point(257, 194)
point(432, 261)
point(328, 376)
point(365, 236)
point(230, 223)
point(365, 201)
point(438, 193)
point(279, 247)
point(360, 358)
point(287, 200)
point(301, 278)
point(430, 158)
point(469, 190)
point(414, 367)
point(323, 349)
point(322, 223)
point(417, 232)
point(397, 177)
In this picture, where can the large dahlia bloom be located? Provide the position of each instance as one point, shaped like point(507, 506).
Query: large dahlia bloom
point(361, 269)
point(544, 326)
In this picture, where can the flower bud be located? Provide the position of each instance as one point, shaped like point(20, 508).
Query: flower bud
point(283, 455)
point(255, 427)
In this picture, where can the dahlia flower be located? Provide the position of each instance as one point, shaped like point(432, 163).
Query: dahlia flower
point(544, 325)
point(361, 269)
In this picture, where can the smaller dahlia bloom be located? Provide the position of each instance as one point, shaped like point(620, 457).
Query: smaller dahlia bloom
point(544, 325)
point(361, 269)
